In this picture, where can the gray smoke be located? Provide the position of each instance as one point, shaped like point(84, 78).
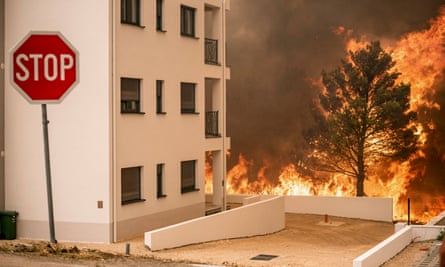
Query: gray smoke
point(277, 48)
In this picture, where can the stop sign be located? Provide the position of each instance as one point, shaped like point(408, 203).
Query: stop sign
point(44, 67)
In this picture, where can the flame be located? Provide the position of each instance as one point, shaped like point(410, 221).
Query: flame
point(208, 173)
point(420, 58)
point(290, 182)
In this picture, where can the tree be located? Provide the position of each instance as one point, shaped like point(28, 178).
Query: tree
point(363, 116)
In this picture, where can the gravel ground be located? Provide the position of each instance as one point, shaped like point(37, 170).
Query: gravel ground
point(410, 255)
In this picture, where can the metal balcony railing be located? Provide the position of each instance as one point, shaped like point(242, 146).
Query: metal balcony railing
point(211, 126)
point(211, 51)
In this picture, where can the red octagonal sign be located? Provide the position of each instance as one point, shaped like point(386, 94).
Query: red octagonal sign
point(44, 67)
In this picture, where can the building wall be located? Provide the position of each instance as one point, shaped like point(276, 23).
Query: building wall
point(148, 139)
point(79, 128)
point(91, 141)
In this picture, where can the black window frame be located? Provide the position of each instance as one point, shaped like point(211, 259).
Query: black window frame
point(188, 21)
point(160, 15)
point(188, 176)
point(160, 97)
point(131, 105)
point(160, 167)
point(188, 102)
point(126, 12)
point(131, 184)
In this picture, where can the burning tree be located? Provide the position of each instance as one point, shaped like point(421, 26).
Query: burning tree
point(363, 116)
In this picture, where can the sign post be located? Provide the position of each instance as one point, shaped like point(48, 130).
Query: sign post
point(44, 70)
point(49, 189)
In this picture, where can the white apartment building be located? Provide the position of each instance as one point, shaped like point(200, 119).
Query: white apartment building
point(128, 144)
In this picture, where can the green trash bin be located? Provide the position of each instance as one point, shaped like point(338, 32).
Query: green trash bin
point(8, 224)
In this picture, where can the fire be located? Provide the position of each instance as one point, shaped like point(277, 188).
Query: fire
point(290, 182)
point(420, 58)
point(395, 186)
point(208, 173)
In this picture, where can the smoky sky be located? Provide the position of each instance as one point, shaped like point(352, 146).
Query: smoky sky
point(278, 48)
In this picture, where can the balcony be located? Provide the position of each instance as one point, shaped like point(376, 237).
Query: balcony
point(211, 51)
point(211, 127)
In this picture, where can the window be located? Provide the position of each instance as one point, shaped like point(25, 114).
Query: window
point(188, 176)
point(160, 180)
point(160, 97)
point(188, 98)
point(130, 12)
point(159, 17)
point(188, 21)
point(130, 95)
point(131, 185)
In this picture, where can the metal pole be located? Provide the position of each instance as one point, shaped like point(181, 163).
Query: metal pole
point(409, 211)
point(49, 191)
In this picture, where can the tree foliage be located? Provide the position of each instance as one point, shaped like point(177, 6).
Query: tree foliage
point(363, 116)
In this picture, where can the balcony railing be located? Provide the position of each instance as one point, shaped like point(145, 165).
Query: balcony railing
point(211, 51)
point(212, 124)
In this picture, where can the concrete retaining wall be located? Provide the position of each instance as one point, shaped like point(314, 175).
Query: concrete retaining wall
point(385, 250)
point(389, 247)
point(249, 220)
point(437, 219)
point(368, 208)
point(264, 214)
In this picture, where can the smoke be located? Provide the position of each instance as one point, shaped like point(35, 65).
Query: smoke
point(277, 50)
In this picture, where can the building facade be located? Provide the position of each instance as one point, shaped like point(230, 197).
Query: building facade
point(129, 143)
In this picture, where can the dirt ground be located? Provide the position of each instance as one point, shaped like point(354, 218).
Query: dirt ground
point(307, 240)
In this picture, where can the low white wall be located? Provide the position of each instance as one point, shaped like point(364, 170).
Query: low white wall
point(249, 220)
point(399, 226)
point(385, 250)
point(389, 247)
point(368, 208)
point(437, 218)
point(251, 199)
point(264, 214)
point(237, 198)
point(425, 232)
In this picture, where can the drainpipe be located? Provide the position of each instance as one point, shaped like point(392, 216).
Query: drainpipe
point(223, 114)
point(113, 158)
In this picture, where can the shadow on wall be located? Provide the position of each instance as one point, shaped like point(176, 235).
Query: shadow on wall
point(270, 210)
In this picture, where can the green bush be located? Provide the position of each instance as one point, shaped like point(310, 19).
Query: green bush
point(441, 234)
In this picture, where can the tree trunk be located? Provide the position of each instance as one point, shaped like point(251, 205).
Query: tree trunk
point(361, 170)
point(360, 187)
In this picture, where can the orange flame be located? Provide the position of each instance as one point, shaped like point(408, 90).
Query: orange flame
point(420, 58)
point(290, 182)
